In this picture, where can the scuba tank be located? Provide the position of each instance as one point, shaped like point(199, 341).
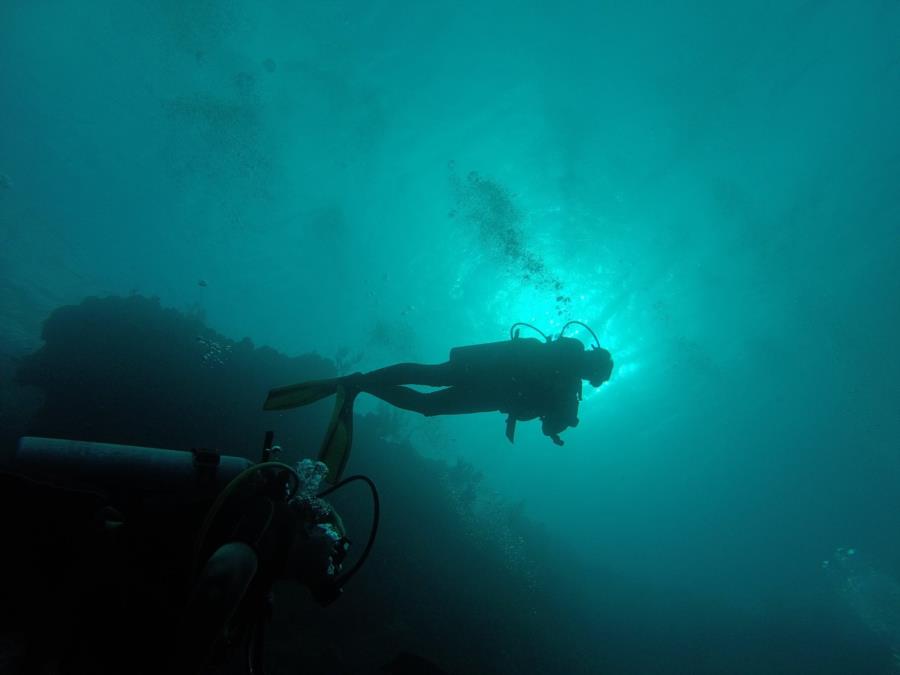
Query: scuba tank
point(125, 470)
point(490, 353)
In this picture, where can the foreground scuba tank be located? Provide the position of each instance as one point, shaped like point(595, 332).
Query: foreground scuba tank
point(125, 469)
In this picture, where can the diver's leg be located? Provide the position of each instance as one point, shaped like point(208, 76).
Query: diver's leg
point(437, 375)
point(303, 393)
point(449, 401)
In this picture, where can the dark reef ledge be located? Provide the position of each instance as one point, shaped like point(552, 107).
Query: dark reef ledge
point(127, 370)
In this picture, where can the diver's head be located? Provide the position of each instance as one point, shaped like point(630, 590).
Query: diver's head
point(598, 366)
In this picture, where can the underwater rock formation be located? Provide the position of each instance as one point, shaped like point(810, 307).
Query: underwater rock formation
point(126, 370)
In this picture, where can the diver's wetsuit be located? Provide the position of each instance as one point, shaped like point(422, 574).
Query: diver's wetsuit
point(524, 377)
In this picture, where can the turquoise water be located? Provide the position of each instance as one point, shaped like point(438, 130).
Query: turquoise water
point(711, 186)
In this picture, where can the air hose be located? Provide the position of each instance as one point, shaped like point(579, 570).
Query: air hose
point(513, 333)
point(245, 475)
point(584, 325)
point(230, 489)
point(376, 516)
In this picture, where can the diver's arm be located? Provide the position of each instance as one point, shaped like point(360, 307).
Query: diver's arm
point(551, 428)
point(563, 417)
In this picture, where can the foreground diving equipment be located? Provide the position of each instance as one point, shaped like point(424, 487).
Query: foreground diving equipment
point(264, 522)
point(284, 523)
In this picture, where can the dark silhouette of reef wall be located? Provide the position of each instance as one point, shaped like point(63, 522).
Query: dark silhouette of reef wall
point(127, 370)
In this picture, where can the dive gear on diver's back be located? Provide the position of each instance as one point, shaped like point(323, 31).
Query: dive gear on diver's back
point(562, 371)
point(529, 378)
point(504, 358)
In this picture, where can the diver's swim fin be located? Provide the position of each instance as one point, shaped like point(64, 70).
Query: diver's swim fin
point(335, 450)
point(296, 395)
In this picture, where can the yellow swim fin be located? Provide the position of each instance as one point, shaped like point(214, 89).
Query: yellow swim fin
point(296, 395)
point(335, 450)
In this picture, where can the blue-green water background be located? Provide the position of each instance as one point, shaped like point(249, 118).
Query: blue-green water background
point(712, 186)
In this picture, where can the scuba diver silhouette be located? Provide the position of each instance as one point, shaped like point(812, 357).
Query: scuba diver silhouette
point(523, 378)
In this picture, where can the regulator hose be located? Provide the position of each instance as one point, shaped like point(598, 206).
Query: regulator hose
point(236, 482)
point(513, 334)
point(584, 325)
point(376, 516)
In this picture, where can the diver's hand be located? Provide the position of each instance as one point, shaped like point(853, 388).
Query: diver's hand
point(557, 440)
